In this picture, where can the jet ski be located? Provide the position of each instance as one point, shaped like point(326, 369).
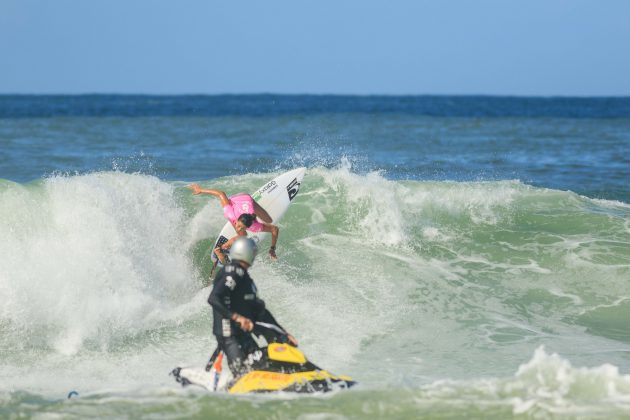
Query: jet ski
point(274, 366)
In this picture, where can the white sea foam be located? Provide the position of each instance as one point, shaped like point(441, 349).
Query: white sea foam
point(444, 283)
point(370, 204)
point(91, 256)
point(545, 385)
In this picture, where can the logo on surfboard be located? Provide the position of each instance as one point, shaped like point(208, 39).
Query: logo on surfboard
point(271, 185)
point(293, 188)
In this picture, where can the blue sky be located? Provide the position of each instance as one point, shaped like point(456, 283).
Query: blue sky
point(496, 47)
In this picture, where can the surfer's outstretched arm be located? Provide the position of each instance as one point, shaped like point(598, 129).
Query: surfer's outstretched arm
point(196, 189)
point(262, 213)
point(275, 231)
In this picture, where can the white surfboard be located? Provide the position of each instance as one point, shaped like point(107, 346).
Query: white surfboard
point(275, 197)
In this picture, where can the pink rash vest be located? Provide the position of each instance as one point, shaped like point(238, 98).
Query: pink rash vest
point(239, 204)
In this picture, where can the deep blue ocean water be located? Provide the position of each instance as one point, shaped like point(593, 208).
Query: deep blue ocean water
point(577, 144)
point(458, 256)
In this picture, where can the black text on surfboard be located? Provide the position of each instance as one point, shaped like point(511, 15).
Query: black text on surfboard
point(293, 188)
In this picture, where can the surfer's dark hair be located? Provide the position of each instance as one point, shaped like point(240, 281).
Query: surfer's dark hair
point(247, 219)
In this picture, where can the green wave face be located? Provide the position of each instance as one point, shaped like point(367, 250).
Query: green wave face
point(400, 284)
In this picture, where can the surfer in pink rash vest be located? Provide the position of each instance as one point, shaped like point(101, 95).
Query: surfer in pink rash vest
point(243, 212)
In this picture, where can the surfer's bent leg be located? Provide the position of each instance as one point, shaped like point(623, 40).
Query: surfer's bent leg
point(262, 213)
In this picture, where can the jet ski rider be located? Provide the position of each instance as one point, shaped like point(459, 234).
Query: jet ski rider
point(236, 307)
point(241, 210)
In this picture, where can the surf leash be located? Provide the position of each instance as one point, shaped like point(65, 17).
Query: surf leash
point(213, 358)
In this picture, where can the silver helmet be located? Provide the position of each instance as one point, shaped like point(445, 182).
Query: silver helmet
point(244, 249)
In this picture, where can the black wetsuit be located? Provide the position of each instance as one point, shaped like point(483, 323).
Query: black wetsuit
point(234, 291)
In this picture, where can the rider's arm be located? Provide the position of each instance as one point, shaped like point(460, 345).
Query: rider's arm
point(222, 287)
point(219, 292)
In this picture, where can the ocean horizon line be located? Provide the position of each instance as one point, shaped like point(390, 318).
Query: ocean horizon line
point(310, 94)
point(260, 105)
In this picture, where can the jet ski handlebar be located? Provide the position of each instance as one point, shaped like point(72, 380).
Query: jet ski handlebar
point(271, 332)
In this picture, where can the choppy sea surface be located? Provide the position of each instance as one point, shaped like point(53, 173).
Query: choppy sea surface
point(460, 257)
